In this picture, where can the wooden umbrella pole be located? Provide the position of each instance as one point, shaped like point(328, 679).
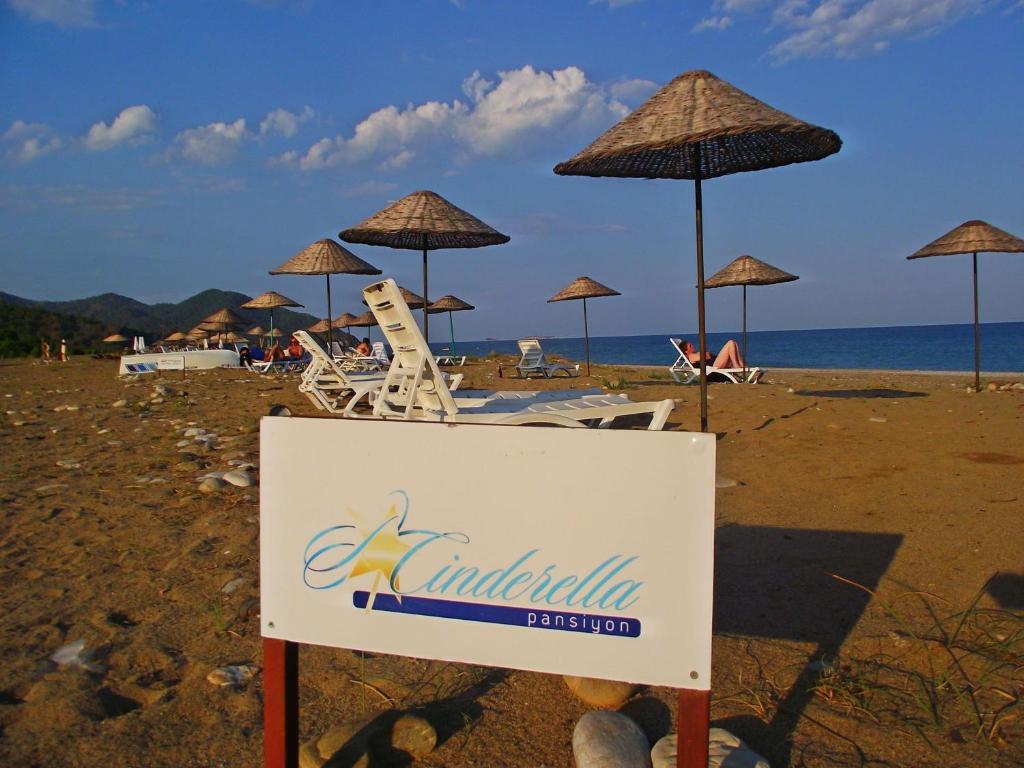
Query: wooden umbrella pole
point(426, 297)
point(700, 294)
point(744, 333)
point(586, 335)
point(977, 330)
point(330, 336)
point(451, 327)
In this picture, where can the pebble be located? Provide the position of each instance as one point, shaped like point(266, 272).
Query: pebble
point(70, 464)
point(234, 584)
point(156, 400)
point(724, 751)
point(992, 387)
point(878, 419)
point(182, 443)
point(51, 488)
point(194, 431)
point(414, 736)
point(240, 478)
point(211, 485)
point(119, 403)
point(236, 675)
point(608, 694)
point(609, 740)
point(721, 481)
point(161, 390)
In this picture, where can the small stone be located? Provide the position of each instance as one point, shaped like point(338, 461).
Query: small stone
point(156, 400)
point(211, 485)
point(187, 466)
point(721, 481)
point(724, 751)
point(279, 410)
point(194, 431)
point(1018, 385)
point(790, 390)
point(992, 387)
point(608, 694)
point(50, 488)
point(609, 740)
point(161, 390)
point(119, 403)
point(240, 478)
point(234, 584)
point(414, 736)
point(340, 736)
point(878, 419)
point(309, 757)
point(235, 675)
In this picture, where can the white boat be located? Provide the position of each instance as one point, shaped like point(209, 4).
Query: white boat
point(184, 360)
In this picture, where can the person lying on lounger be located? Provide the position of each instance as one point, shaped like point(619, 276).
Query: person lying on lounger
point(728, 357)
point(364, 348)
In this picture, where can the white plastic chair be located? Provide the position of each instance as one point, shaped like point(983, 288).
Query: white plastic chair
point(411, 390)
point(533, 360)
point(685, 372)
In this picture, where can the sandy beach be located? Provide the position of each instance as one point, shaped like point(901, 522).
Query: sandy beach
point(862, 519)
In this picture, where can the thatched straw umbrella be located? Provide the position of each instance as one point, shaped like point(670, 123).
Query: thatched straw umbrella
point(270, 300)
point(423, 221)
point(449, 304)
point(198, 333)
point(222, 320)
point(320, 326)
point(700, 127)
point(176, 336)
point(973, 237)
point(584, 288)
point(344, 320)
point(115, 338)
point(326, 257)
point(365, 320)
point(277, 333)
point(257, 331)
point(746, 270)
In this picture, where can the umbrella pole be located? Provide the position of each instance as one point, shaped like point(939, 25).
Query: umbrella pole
point(330, 336)
point(451, 327)
point(700, 295)
point(977, 330)
point(744, 333)
point(586, 335)
point(426, 297)
point(271, 322)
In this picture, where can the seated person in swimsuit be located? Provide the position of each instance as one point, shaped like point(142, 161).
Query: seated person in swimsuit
point(364, 348)
point(727, 357)
point(294, 349)
point(275, 353)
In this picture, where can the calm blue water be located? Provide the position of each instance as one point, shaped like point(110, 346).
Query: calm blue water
point(906, 347)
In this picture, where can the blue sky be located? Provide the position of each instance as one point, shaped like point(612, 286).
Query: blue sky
point(158, 149)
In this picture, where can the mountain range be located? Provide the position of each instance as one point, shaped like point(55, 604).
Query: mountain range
point(88, 320)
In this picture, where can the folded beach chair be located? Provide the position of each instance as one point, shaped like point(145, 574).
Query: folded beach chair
point(331, 388)
point(411, 390)
point(533, 360)
point(685, 372)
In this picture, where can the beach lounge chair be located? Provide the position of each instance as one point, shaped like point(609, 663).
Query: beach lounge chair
point(533, 360)
point(332, 388)
point(411, 391)
point(685, 372)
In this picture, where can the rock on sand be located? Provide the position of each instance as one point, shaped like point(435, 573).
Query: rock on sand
point(724, 751)
point(607, 694)
point(609, 740)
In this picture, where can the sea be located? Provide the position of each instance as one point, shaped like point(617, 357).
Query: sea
point(902, 347)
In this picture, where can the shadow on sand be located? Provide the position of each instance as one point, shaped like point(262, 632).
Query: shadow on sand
point(867, 394)
point(778, 583)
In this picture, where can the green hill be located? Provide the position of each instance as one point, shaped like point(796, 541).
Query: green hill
point(129, 316)
point(21, 328)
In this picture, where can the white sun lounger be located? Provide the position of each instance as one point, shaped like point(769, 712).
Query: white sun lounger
point(533, 360)
point(410, 390)
point(685, 372)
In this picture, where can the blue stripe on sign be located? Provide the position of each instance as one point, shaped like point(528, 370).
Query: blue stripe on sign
point(533, 618)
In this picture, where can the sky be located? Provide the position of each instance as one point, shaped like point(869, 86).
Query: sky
point(159, 149)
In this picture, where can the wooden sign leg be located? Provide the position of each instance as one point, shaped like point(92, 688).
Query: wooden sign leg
point(693, 718)
point(280, 704)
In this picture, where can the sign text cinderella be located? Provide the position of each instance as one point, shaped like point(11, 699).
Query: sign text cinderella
point(433, 573)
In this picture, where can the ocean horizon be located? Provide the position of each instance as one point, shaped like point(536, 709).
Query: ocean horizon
point(902, 347)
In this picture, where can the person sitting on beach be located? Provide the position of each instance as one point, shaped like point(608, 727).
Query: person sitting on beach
point(294, 349)
point(364, 348)
point(728, 357)
point(44, 350)
point(244, 357)
point(275, 353)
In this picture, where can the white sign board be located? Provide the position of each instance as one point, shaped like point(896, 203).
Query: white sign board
point(170, 363)
point(573, 551)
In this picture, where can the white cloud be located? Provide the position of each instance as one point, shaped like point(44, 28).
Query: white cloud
point(212, 144)
point(850, 28)
point(281, 122)
point(26, 142)
point(500, 118)
point(716, 23)
point(64, 13)
point(632, 90)
point(134, 125)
